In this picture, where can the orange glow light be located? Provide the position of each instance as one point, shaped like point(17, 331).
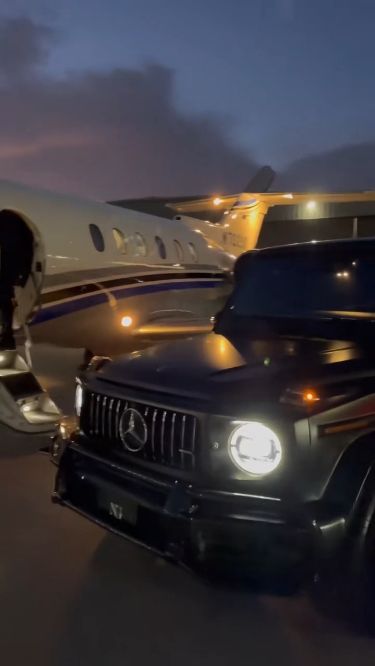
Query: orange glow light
point(126, 321)
point(217, 201)
point(310, 396)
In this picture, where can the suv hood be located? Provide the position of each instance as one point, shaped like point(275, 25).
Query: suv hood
point(212, 366)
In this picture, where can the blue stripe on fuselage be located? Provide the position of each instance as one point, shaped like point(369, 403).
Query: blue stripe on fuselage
point(68, 307)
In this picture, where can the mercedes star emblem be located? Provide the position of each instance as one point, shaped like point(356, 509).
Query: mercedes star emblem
point(133, 430)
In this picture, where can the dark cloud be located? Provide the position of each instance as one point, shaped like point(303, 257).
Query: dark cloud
point(105, 135)
point(347, 168)
point(23, 46)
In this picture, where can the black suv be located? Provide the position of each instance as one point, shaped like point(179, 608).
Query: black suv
point(252, 444)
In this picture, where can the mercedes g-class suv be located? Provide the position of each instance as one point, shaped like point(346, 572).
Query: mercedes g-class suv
point(253, 443)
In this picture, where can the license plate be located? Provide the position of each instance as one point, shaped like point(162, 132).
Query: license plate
point(122, 509)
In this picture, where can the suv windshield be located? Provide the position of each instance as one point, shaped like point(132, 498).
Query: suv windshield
point(309, 284)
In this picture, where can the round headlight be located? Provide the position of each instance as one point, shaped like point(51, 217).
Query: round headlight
point(255, 449)
point(78, 399)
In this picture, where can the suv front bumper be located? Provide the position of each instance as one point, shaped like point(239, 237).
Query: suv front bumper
point(195, 525)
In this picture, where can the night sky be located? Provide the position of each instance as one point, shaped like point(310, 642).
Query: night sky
point(137, 97)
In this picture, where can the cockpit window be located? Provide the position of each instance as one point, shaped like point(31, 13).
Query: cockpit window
point(140, 245)
point(179, 251)
point(193, 252)
point(120, 241)
point(161, 247)
point(97, 237)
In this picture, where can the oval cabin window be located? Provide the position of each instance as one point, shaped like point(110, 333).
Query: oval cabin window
point(193, 252)
point(97, 237)
point(179, 251)
point(140, 245)
point(120, 241)
point(161, 247)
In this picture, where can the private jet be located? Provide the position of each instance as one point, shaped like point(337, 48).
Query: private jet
point(102, 275)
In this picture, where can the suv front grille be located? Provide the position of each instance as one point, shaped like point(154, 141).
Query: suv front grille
point(171, 438)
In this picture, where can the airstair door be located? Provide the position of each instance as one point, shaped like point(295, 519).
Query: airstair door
point(28, 297)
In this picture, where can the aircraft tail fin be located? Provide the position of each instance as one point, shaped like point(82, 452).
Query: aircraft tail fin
point(262, 180)
point(259, 184)
point(244, 218)
point(239, 217)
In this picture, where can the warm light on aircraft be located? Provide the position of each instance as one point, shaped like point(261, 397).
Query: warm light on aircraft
point(127, 321)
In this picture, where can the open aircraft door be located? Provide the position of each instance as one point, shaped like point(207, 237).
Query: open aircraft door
point(28, 296)
point(25, 407)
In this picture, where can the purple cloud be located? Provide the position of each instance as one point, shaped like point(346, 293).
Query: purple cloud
point(104, 135)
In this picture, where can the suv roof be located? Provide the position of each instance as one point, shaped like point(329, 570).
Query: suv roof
point(347, 245)
point(344, 243)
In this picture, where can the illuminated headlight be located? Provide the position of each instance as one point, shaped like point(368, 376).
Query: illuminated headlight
point(255, 449)
point(79, 399)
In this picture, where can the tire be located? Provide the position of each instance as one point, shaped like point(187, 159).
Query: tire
point(345, 589)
